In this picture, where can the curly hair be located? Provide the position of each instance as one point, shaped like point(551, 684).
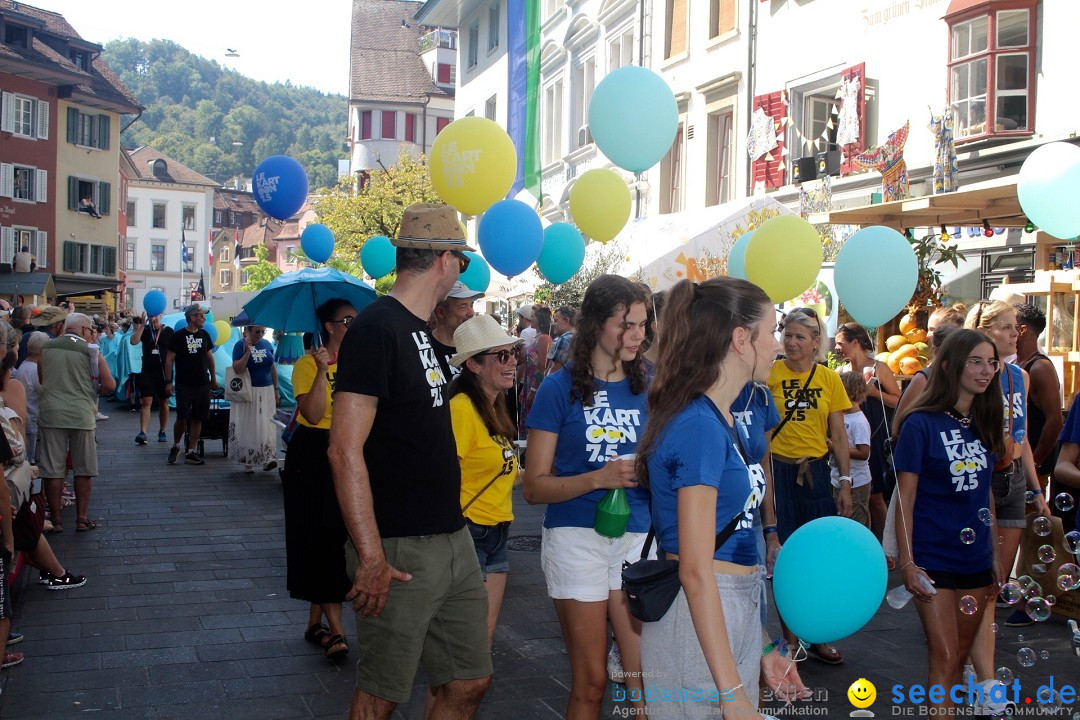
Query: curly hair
point(606, 296)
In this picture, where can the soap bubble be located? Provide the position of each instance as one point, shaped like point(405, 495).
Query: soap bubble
point(1069, 577)
point(1038, 609)
point(1046, 553)
point(1044, 655)
point(986, 516)
point(1051, 600)
point(968, 605)
point(1026, 657)
point(1029, 497)
point(1011, 593)
point(1064, 502)
point(1004, 675)
point(1041, 525)
point(1019, 638)
point(1025, 581)
point(993, 627)
point(967, 536)
point(1072, 541)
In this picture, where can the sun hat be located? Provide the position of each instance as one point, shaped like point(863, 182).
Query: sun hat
point(477, 334)
point(194, 309)
point(461, 291)
point(526, 312)
point(431, 227)
point(48, 315)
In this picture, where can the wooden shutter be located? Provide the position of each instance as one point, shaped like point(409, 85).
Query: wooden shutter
point(365, 125)
point(71, 257)
point(7, 180)
point(443, 76)
point(676, 29)
point(410, 127)
point(7, 245)
point(388, 129)
point(7, 113)
point(73, 127)
point(103, 127)
point(41, 189)
point(73, 193)
point(42, 120)
point(41, 251)
point(108, 261)
point(852, 149)
point(765, 170)
point(104, 198)
point(726, 22)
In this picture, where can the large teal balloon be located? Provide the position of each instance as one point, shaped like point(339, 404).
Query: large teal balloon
point(478, 275)
point(861, 290)
point(510, 236)
point(736, 259)
point(633, 117)
point(1048, 188)
point(829, 579)
point(378, 256)
point(562, 254)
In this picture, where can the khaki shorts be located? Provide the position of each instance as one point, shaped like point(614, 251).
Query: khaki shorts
point(860, 503)
point(54, 444)
point(438, 619)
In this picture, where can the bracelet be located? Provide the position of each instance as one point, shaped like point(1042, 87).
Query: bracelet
point(1038, 491)
point(769, 529)
point(846, 478)
point(730, 694)
point(768, 649)
point(909, 562)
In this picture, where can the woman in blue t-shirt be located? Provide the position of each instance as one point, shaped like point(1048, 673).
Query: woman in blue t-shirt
point(705, 479)
point(950, 439)
point(252, 433)
point(584, 418)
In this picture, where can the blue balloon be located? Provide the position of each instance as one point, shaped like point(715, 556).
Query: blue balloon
point(478, 276)
point(180, 324)
point(154, 303)
point(633, 117)
point(1048, 186)
point(829, 579)
point(510, 236)
point(736, 259)
point(378, 256)
point(209, 328)
point(281, 186)
point(862, 292)
point(317, 242)
point(562, 254)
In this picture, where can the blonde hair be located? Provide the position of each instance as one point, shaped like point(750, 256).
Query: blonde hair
point(808, 319)
point(949, 315)
point(983, 314)
point(854, 386)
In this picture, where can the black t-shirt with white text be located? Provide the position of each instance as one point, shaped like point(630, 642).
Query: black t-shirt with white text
point(410, 453)
point(155, 340)
point(191, 363)
point(444, 353)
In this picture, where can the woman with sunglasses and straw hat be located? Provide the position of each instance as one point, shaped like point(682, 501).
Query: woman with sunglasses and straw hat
point(484, 432)
point(811, 400)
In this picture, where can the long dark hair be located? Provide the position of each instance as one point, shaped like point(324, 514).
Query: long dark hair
point(943, 389)
point(326, 312)
point(605, 297)
point(697, 322)
point(496, 417)
point(854, 332)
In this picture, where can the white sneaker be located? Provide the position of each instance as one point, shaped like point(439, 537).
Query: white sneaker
point(988, 706)
point(969, 671)
point(102, 416)
point(615, 671)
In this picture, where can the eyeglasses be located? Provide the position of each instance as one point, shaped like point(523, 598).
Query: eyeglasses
point(805, 311)
point(463, 260)
point(344, 321)
point(501, 356)
point(980, 364)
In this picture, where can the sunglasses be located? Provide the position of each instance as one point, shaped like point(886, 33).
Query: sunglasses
point(463, 260)
point(501, 356)
point(344, 321)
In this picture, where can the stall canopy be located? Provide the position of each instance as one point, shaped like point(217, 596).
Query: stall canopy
point(29, 285)
point(994, 202)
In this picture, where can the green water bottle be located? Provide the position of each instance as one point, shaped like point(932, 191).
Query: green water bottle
point(612, 514)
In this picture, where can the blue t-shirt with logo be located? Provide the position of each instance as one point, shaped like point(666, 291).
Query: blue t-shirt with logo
point(954, 470)
point(260, 363)
point(697, 448)
point(588, 438)
point(755, 415)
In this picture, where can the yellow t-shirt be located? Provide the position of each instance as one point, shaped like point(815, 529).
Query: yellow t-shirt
point(482, 457)
point(804, 434)
point(303, 377)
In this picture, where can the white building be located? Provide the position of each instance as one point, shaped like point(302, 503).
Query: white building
point(168, 204)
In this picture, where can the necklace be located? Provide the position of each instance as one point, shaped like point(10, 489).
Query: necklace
point(964, 420)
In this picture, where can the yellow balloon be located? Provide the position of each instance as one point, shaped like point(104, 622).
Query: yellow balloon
point(600, 204)
point(784, 257)
point(472, 164)
point(224, 332)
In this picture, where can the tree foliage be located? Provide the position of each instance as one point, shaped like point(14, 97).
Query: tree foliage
point(219, 122)
point(262, 272)
point(600, 260)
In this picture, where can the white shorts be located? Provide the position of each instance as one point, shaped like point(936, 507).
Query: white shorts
point(580, 564)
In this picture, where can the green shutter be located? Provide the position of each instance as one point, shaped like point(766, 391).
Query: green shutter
point(104, 197)
point(71, 257)
point(73, 125)
point(103, 132)
point(109, 261)
point(73, 193)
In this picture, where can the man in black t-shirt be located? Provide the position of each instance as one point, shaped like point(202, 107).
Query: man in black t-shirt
point(398, 483)
point(155, 339)
point(193, 353)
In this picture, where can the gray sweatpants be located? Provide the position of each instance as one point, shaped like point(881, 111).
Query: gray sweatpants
point(678, 683)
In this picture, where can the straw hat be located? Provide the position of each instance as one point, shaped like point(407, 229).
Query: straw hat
point(431, 227)
point(477, 334)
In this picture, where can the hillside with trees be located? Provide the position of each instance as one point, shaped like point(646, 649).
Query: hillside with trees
point(221, 123)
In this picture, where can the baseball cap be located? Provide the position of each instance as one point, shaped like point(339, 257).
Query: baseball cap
point(194, 309)
point(526, 312)
point(461, 291)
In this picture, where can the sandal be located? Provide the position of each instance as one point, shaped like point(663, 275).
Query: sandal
point(826, 653)
point(84, 524)
point(12, 659)
point(56, 529)
point(315, 634)
point(336, 647)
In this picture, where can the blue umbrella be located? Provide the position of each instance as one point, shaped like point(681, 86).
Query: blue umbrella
point(289, 302)
point(290, 348)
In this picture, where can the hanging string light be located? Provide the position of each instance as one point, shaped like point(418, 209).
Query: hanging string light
point(987, 230)
point(1029, 227)
point(944, 234)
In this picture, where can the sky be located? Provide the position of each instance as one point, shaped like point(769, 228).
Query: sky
point(306, 43)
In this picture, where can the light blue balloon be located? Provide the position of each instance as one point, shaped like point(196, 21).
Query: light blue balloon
point(736, 259)
point(212, 331)
point(510, 236)
point(633, 117)
point(378, 256)
point(562, 254)
point(154, 303)
point(317, 242)
point(829, 579)
point(478, 275)
point(180, 324)
point(1048, 187)
point(858, 275)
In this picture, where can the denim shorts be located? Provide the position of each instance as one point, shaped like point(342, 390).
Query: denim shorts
point(490, 542)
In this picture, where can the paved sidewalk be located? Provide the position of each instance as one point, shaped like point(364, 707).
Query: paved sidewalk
point(185, 614)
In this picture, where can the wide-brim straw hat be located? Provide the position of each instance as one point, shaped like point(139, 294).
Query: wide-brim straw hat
point(478, 334)
point(431, 227)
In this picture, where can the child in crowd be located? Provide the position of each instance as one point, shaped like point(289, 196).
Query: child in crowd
point(858, 434)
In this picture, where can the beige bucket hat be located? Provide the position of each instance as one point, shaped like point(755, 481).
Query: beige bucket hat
point(431, 227)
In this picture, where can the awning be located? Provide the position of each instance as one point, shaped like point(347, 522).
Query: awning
point(995, 203)
point(72, 285)
point(27, 284)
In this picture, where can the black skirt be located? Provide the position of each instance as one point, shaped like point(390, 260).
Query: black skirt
point(314, 532)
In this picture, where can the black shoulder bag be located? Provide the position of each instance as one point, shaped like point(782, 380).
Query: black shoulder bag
point(800, 397)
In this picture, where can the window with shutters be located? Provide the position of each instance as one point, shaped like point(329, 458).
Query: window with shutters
point(768, 168)
point(365, 124)
point(25, 117)
point(22, 182)
point(157, 257)
point(721, 17)
point(672, 172)
point(821, 120)
point(87, 130)
point(675, 22)
point(76, 257)
point(551, 109)
point(224, 254)
point(389, 124)
point(410, 127)
point(157, 216)
point(621, 48)
point(225, 278)
point(720, 175)
point(99, 195)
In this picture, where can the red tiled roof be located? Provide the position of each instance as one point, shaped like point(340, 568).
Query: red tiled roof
point(385, 63)
point(175, 171)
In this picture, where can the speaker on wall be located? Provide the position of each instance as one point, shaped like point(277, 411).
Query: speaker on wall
point(828, 163)
point(805, 169)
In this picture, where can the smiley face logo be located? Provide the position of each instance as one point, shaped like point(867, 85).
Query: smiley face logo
point(862, 693)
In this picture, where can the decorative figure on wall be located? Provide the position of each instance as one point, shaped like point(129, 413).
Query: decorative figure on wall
point(945, 170)
point(888, 159)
